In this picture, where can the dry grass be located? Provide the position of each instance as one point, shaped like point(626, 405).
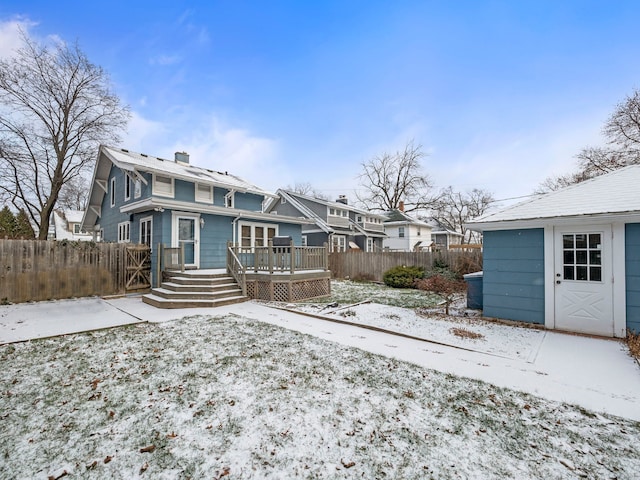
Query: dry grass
point(464, 333)
point(633, 340)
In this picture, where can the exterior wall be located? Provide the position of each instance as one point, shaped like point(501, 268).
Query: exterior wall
point(317, 239)
point(393, 240)
point(318, 208)
point(248, 201)
point(111, 216)
point(513, 280)
point(288, 209)
point(632, 268)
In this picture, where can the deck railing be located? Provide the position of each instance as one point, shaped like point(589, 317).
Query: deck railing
point(274, 259)
point(236, 269)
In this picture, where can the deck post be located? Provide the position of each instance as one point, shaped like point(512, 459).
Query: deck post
point(325, 256)
point(271, 255)
point(292, 260)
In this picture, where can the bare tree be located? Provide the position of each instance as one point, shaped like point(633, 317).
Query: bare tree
point(453, 209)
point(56, 107)
point(74, 193)
point(305, 188)
point(622, 131)
point(389, 179)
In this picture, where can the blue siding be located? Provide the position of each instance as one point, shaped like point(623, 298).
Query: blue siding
point(248, 201)
point(185, 191)
point(632, 268)
point(215, 234)
point(111, 216)
point(513, 280)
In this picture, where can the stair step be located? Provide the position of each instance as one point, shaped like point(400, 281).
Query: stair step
point(177, 287)
point(160, 302)
point(185, 295)
point(201, 280)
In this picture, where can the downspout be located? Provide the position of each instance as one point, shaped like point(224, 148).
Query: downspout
point(234, 225)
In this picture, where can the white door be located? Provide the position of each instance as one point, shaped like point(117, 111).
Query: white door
point(583, 280)
point(186, 232)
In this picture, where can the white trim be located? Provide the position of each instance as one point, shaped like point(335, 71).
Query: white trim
point(230, 199)
point(252, 238)
point(124, 232)
point(159, 188)
point(112, 196)
point(619, 280)
point(127, 187)
point(137, 188)
point(549, 278)
point(175, 216)
point(148, 219)
point(198, 193)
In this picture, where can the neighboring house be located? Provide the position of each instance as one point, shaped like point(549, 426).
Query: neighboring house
point(67, 225)
point(441, 237)
point(405, 233)
point(337, 224)
point(143, 199)
point(568, 260)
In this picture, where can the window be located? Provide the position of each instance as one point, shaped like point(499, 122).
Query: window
point(304, 240)
point(137, 189)
point(369, 244)
point(127, 188)
point(256, 234)
point(163, 186)
point(113, 192)
point(336, 212)
point(582, 256)
point(124, 232)
point(229, 199)
point(401, 232)
point(146, 227)
point(339, 243)
point(359, 218)
point(76, 229)
point(204, 193)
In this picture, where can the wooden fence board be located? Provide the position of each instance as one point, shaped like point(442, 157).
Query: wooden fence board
point(372, 265)
point(36, 270)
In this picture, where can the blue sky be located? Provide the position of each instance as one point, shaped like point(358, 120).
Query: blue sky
point(500, 94)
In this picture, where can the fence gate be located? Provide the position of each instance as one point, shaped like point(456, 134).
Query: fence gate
point(137, 267)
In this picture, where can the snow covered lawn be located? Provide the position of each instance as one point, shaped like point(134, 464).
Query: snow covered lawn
point(229, 397)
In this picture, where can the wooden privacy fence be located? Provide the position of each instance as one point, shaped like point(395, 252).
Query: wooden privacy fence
point(36, 270)
point(372, 265)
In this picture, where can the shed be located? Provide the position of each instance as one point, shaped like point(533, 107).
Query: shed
point(569, 259)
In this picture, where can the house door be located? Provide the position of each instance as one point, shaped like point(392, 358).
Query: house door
point(186, 232)
point(583, 280)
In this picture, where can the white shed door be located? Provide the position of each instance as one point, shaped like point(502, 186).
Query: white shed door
point(583, 280)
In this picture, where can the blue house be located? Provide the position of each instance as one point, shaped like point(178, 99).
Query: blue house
point(139, 198)
point(568, 260)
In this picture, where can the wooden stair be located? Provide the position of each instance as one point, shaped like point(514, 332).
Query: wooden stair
point(195, 288)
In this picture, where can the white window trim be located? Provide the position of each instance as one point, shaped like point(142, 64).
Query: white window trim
point(253, 226)
point(342, 243)
point(229, 199)
point(137, 189)
point(124, 232)
point(199, 198)
point(127, 188)
point(401, 232)
point(304, 240)
point(144, 220)
point(113, 192)
point(156, 191)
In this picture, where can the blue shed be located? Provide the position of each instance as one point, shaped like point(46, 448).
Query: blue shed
point(569, 259)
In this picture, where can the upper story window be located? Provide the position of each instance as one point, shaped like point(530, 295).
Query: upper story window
point(359, 218)
point(229, 199)
point(163, 186)
point(204, 193)
point(137, 189)
point(127, 188)
point(113, 192)
point(336, 212)
point(401, 232)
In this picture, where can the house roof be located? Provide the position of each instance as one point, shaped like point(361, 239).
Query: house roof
point(136, 163)
point(61, 221)
point(396, 216)
point(329, 203)
point(438, 229)
point(614, 194)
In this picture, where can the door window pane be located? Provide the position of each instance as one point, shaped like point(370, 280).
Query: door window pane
point(259, 237)
point(581, 240)
point(582, 256)
point(595, 274)
point(246, 236)
point(567, 241)
point(568, 273)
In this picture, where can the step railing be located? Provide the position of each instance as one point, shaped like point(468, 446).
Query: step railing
point(290, 258)
point(169, 258)
point(236, 269)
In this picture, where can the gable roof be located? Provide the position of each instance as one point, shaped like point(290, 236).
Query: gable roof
point(135, 163)
point(328, 203)
point(397, 216)
point(614, 194)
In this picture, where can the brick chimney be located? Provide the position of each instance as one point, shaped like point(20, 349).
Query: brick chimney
point(182, 157)
point(401, 206)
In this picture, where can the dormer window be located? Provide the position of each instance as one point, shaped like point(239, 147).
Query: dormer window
point(163, 186)
point(336, 212)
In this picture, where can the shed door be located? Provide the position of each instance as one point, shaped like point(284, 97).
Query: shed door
point(583, 280)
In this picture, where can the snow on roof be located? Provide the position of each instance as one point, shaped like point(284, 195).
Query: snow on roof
point(128, 160)
point(343, 206)
point(617, 192)
point(397, 216)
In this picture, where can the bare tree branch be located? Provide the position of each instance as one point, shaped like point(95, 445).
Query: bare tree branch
point(390, 179)
point(453, 209)
point(56, 107)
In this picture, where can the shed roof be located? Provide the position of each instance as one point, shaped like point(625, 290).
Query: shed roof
point(615, 193)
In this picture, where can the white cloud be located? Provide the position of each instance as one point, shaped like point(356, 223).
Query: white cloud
point(10, 36)
point(142, 133)
point(164, 60)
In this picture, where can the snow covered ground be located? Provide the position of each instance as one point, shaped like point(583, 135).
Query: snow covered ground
point(236, 395)
point(232, 397)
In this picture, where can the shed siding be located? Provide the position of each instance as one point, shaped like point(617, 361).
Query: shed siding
point(632, 268)
point(513, 281)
